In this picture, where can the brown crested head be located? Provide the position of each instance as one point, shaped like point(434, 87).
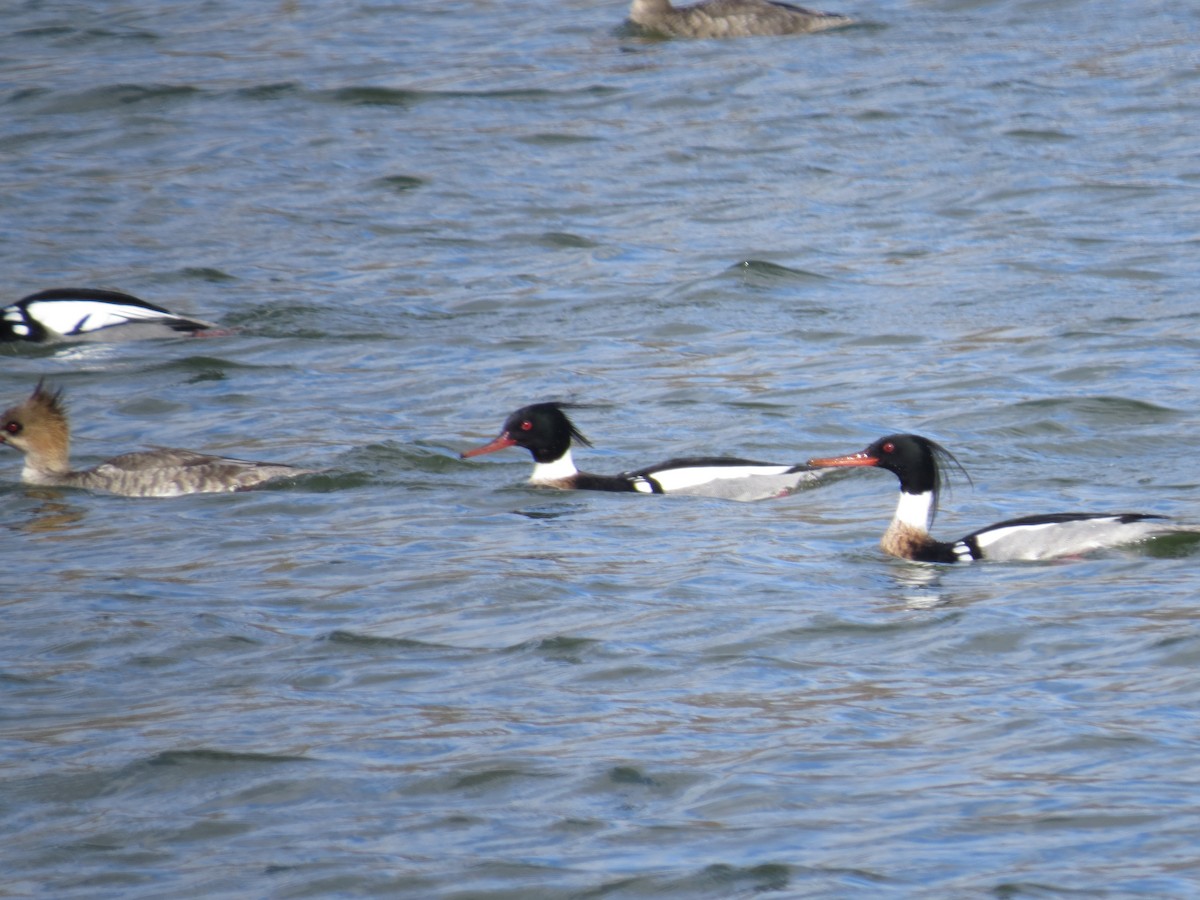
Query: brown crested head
point(38, 424)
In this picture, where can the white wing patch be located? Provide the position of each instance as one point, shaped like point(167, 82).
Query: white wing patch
point(963, 552)
point(17, 326)
point(16, 318)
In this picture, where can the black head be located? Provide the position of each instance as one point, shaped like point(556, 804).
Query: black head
point(544, 429)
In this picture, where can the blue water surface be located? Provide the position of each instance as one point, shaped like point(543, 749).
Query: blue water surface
point(416, 676)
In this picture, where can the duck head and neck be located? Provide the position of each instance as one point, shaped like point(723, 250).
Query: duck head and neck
point(546, 431)
point(920, 464)
point(38, 428)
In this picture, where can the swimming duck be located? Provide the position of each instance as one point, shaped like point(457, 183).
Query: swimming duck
point(731, 18)
point(546, 431)
point(90, 314)
point(38, 428)
point(920, 465)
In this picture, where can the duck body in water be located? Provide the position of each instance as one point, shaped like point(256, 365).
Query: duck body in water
point(546, 431)
point(38, 428)
point(89, 314)
point(731, 18)
point(921, 463)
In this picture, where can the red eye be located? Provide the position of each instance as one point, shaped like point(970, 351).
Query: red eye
point(888, 447)
point(526, 425)
point(12, 427)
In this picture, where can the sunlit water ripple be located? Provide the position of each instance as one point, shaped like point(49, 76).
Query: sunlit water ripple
point(414, 676)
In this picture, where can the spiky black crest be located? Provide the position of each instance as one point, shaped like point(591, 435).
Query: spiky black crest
point(43, 395)
point(944, 461)
point(556, 409)
point(576, 434)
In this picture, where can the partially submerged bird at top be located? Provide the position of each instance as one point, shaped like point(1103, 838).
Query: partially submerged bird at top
point(90, 314)
point(920, 464)
point(38, 428)
point(546, 431)
point(731, 18)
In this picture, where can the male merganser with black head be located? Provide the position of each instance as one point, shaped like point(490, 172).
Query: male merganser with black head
point(546, 431)
point(731, 18)
point(89, 314)
point(920, 464)
point(38, 428)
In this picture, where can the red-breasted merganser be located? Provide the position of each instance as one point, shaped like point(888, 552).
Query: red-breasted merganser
point(920, 463)
point(38, 428)
point(545, 430)
point(89, 314)
point(731, 18)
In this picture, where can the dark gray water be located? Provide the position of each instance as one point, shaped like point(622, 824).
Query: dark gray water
point(417, 677)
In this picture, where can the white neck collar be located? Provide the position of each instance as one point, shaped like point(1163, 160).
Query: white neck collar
point(557, 470)
point(915, 510)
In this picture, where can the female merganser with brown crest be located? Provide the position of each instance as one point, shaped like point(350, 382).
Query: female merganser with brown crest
point(89, 314)
point(38, 428)
point(546, 431)
point(731, 18)
point(920, 464)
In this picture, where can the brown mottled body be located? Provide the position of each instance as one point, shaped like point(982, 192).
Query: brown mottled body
point(38, 428)
point(731, 18)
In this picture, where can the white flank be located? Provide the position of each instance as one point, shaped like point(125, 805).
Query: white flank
point(66, 316)
point(682, 479)
point(552, 472)
point(998, 535)
point(1050, 540)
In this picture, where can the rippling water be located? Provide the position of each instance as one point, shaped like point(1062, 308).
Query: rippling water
point(414, 676)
